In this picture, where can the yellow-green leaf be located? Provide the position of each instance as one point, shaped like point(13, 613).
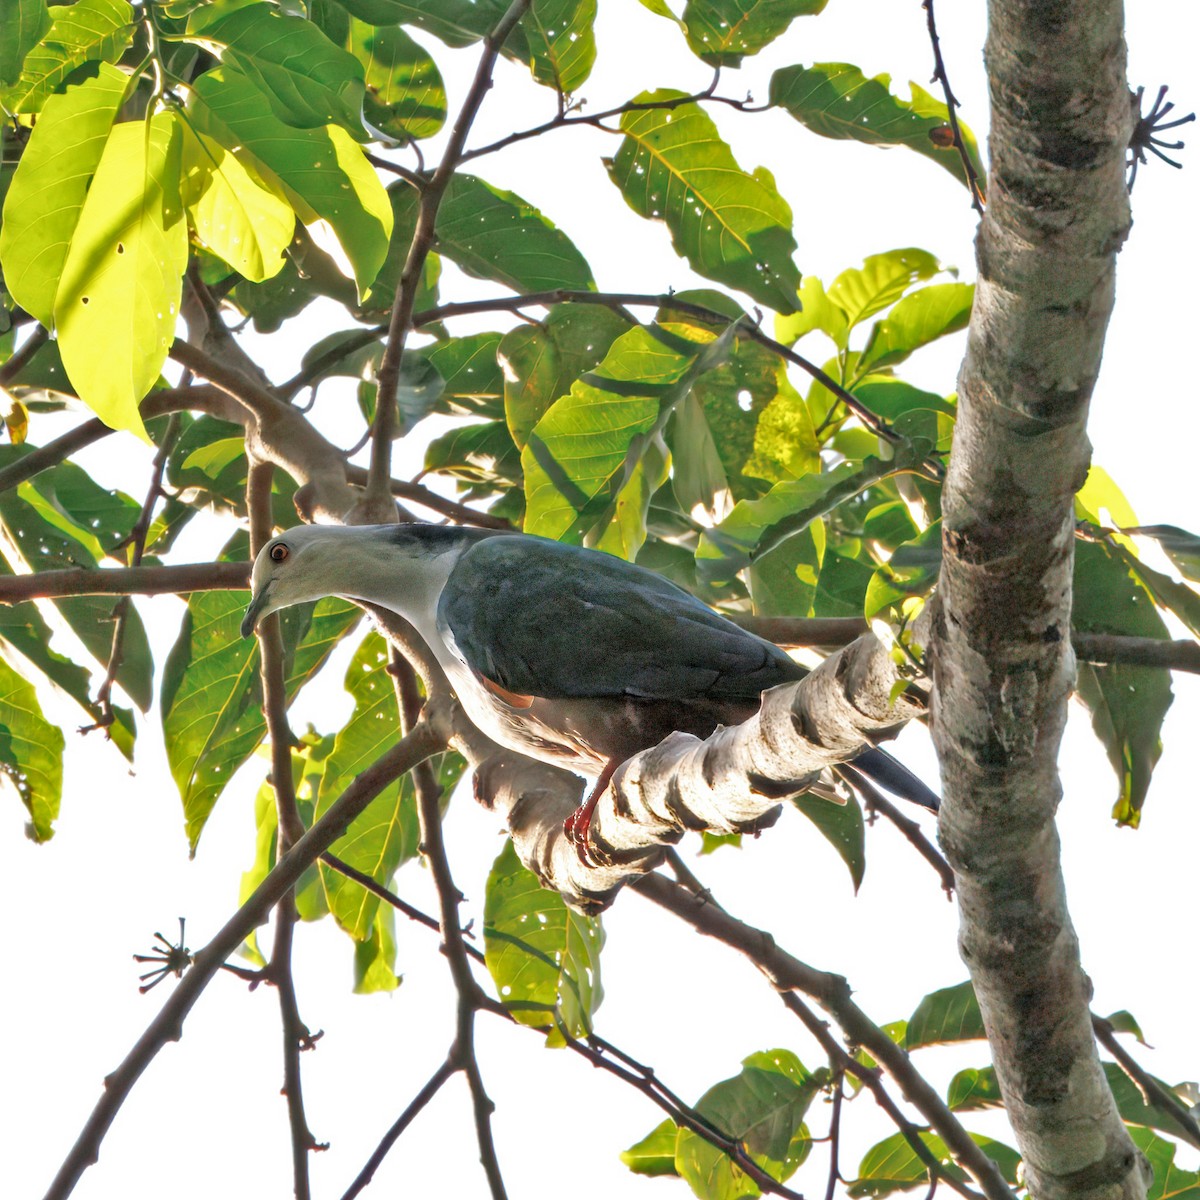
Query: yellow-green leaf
point(30, 752)
point(118, 300)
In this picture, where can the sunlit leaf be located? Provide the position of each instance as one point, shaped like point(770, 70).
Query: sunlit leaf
point(950, 1014)
point(85, 31)
point(912, 570)
point(654, 1155)
point(722, 32)
point(892, 1165)
point(323, 173)
point(730, 225)
point(915, 321)
point(1171, 1182)
point(543, 956)
point(118, 300)
point(974, 1088)
point(405, 96)
point(307, 80)
point(26, 22)
point(30, 753)
point(555, 38)
point(837, 100)
point(44, 202)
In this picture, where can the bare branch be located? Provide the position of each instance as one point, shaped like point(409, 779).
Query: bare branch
point(426, 739)
point(120, 581)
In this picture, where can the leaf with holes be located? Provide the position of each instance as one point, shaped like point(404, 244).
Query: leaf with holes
point(493, 234)
point(731, 226)
point(556, 40)
point(723, 32)
point(543, 956)
point(836, 100)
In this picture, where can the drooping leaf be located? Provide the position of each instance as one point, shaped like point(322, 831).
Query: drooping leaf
point(723, 32)
point(234, 213)
point(44, 202)
point(843, 827)
point(837, 100)
point(26, 22)
point(764, 1107)
point(387, 834)
point(375, 957)
point(30, 753)
point(307, 80)
point(1127, 703)
point(543, 956)
point(82, 32)
point(654, 1155)
point(541, 362)
point(118, 300)
point(893, 1166)
point(974, 1088)
point(625, 532)
point(915, 321)
point(950, 1014)
point(405, 96)
point(323, 173)
point(584, 449)
point(212, 694)
point(555, 38)
point(493, 234)
point(1181, 547)
point(731, 226)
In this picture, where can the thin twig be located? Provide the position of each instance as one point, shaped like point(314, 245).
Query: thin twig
point(401, 1123)
point(911, 831)
point(835, 1134)
point(952, 105)
point(1154, 1094)
point(427, 738)
point(378, 492)
point(788, 974)
point(19, 359)
point(418, 493)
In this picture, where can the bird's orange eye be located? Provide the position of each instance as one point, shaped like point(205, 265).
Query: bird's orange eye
point(278, 552)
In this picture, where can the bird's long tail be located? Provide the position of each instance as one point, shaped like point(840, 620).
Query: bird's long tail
point(891, 774)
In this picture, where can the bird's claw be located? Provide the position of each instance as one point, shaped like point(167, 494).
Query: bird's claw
point(576, 829)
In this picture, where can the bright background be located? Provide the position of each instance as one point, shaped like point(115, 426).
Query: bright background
point(207, 1116)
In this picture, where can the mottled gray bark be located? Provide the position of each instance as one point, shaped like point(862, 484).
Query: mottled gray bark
point(1000, 650)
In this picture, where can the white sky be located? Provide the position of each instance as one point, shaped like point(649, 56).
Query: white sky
point(207, 1117)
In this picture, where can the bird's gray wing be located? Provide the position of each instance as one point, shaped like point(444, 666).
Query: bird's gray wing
point(544, 619)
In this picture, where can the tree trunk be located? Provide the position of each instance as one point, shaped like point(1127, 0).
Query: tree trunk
point(1000, 644)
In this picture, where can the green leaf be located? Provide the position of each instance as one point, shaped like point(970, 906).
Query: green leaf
point(974, 1088)
point(543, 956)
point(763, 1107)
point(234, 213)
point(48, 522)
point(493, 234)
point(785, 440)
point(843, 827)
point(912, 570)
point(1131, 1102)
point(815, 311)
point(948, 1015)
point(212, 695)
point(881, 281)
point(723, 32)
point(892, 1166)
point(1123, 1021)
point(1170, 1182)
point(82, 32)
point(654, 1155)
point(698, 476)
point(405, 96)
point(307, 80)
point(555, 38)
point(1127, 703)
point(755, 527)
point(472, 380)
point(625, 534)
point(118, 300)
point(322, 172)
point(26, 22)
point(44, 202)
point(541, 362)
point(915, 321)
point(841, 586)
point(584, 450)
point(783, 581)
point(387, 834)
point(478, 454)
point(375, 958)
point(30, 753)
point(731, 226)
point(836, 100)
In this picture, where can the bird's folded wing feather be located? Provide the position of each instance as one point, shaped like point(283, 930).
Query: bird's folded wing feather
point(543, 619)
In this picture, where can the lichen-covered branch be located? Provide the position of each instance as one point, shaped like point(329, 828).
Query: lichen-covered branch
point(1000, 647)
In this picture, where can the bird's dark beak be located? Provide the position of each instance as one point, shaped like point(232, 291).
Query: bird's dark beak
point(250, 620)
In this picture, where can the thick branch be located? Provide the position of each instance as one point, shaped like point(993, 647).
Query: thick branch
point(1000, 646)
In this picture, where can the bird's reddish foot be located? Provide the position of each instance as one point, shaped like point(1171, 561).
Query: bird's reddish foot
point(577, 827)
